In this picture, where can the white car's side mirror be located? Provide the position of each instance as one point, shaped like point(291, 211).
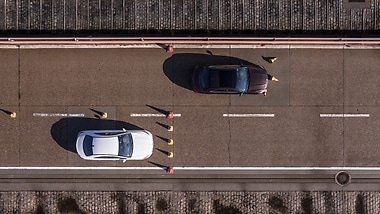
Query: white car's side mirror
point(125, 160)
point(124, 129)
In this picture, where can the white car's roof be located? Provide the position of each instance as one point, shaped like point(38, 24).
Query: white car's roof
point(105, 146)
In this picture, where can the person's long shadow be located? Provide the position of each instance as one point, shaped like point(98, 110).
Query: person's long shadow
point(178, 67)
point(66, 130)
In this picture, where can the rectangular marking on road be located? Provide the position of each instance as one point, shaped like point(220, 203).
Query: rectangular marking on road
point(56, 115)
point(248, 115)
point(344, 115)
point(152, 115)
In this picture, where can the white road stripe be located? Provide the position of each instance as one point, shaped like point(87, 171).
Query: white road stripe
point(248, 115)
point(152, 115)
point(344, 115)
point(194, 168)
point(56, 115)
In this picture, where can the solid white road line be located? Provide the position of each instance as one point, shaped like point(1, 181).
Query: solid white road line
point(56, 115)
point(248, 115)
point(344, 115)
point(194, 168)
point(152, 115)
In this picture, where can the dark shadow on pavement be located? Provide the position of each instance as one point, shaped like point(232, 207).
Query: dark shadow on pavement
point(66, 130)
point(163, 125)
point(161, 45)
point(158, 165)
point(6, 112)
point(162, 111)
point(178, 67)
point(163, 151)
point(98, 114)
point(163, 138)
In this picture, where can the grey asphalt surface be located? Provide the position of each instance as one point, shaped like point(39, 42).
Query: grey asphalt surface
point(146, 81)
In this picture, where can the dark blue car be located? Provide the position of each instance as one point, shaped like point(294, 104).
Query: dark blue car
point(230, 79)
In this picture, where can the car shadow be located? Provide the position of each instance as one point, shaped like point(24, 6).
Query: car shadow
point(178, 67)
point(65, 131)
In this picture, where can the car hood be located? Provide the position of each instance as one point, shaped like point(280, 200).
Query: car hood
point(258, 79)
point(142, 145)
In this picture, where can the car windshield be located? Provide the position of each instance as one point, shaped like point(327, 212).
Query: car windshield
point(242, 79)
point(125, 145)
point(205, 78)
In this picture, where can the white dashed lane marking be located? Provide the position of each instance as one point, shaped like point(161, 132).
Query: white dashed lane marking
point(56, 115)
point(344, 115)
point(152, 115)
point(248, 115)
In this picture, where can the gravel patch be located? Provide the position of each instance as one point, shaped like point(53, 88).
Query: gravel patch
point(189, 202)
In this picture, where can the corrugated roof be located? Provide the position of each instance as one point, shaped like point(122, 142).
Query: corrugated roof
point(190, 17)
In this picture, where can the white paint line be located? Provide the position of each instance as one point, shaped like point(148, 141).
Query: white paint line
point(196, 168)
point(191, 46)
point(152, 115)
point(77, 168)
point(56, 115)
point(344, 115)
point(248, 115)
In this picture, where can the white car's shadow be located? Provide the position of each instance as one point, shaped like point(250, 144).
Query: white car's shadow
point(65, 131)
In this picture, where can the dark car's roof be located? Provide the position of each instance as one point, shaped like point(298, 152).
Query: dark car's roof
point(228, 77)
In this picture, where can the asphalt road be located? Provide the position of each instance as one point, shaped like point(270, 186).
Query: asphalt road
point(300, 123)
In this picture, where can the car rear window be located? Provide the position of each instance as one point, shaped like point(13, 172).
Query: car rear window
point(87, 145)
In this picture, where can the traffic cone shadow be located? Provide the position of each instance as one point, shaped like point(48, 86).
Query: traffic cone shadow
point(161, 45)
point(158, 165)
point(167, 140)
point(162, 138)
point(99, 114)
point(167, 153)
point(168, 169)
point(270, 59)
point(167, 127)
point(168, 48)
point(162, 111)
point(9, 113)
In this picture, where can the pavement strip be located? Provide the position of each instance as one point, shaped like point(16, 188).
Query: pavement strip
point(179, 115)
point(189, 168)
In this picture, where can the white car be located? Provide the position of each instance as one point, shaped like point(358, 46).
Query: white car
point(114, 144)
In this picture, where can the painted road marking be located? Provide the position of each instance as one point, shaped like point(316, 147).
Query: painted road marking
point(193, 168)
point(248, 115)
point(56, 115)
point(344, 115)
point(152, 115)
